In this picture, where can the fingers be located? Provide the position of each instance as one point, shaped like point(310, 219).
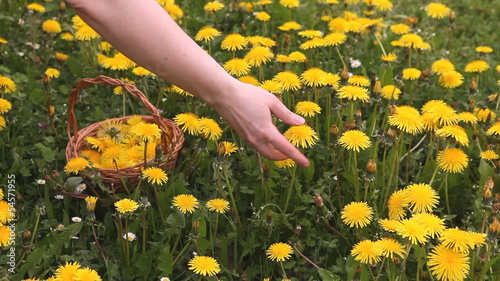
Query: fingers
point(276, 147)
point(283, 113)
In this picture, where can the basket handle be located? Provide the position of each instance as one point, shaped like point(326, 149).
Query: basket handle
point(86, 82)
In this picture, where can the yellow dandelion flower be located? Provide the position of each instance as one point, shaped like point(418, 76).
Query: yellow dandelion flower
point(357, 214)
point(218, 205)
point(86, 33)
point(76, 165)
point(307, 108)
point(287, 163)
point(358, 80)
point(180, 91)
point(447, 264)
point(297, 56)
point(486, 115)
point(174, 11)
point(397, 203)
point(313, 43)
point(477, 66)
point(51, 26)
point(313, 77)
point(67, 271)
point(467, 117)
point(249, 80)
point(234, 42)
point(186, 203)
point(52, 73)
point(390, 247)
point(111, 154)
point(353, 92)
point(5, 235)
point(155, 175)
point(411, 73)
point(412, 231)
point(206, 34)
point(437, 10)
point(366, 252)
point(290, 3)
point(61, 56)
point(332, 80)
point(86, 274)
point(90, 202)
point(434, 224)
point(452, 160)
point(390, 92)
point(457, 240)
point(7, 85)
point(7, 214)
point(36, 7)
point(355, 140)
point(407, 119)
point(334, 39)
point(5, 106)
point(397, 43)
point(141, 71)
point(389, 225)
point(411, 40)
point(288, 80)
point(451, 79)
point(310, 33)
point(422, 197)
point(210, 129)
point(126, 206)
point(226, 148)
point(66, 36)
point(283, 58)
point(441, 113)
point(258, 55)
point(279, 251)
point(204, 265)
point(484, 49)
point(3, 41)
point(237, 67)
point(441, 66)
point(455, 132)
point(262, 16)
point(301, 136)
point(400, 28)
point(290, 25)
point(271, 86)
point(337, 24)
point(261, 41)
point(390, 57)
point(213, 6)
point(2, 123)
point(488, 155)
point(148, 132)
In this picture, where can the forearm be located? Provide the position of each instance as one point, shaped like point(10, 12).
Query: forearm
point(144, 32)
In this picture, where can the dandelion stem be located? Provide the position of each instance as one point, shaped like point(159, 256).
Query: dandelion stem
point(380, 44)
point(419, 262)
point(231, 195)
point(340, 56)
point(283, 268)
point(96, 239)
point(290, 188)
point(307, 259)
point(356, 176)
point(380, 269)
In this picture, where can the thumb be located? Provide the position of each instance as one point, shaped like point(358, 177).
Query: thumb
point(287, 116)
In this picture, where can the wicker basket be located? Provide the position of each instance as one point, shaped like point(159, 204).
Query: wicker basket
point(172, 137)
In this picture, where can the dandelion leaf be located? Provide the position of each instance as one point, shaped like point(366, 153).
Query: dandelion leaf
point(328, 275)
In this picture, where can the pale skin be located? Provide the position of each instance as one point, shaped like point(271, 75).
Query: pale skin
point(144, 32)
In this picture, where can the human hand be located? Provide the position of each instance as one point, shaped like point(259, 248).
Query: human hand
point(247, 109)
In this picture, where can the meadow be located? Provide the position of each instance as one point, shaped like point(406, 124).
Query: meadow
point(402, 130)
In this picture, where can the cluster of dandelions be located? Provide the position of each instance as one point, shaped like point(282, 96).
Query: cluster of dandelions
point(72, 271)
point(447, 261)
point(7, 214)
point(118, 144)
point(7, 85)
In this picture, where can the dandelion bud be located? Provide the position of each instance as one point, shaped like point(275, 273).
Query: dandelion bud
point(37, 59)
point(196, 228)
point(286, 38)
point(319, 200)
point(452, 16)
point(298, 228)
point(347, 127)
point(391, 132)
point(46, 79)
point(495, 225)
point(49, 181)
point(244, 27)
point(472, 86)
point(91, 202)
point(371, 166)
point(334, 130)
point(426, 72)
point(352, 125)
point(221, 149)
point(345, 73)
point(52, 110)
point(489, 183)
point(492, 97)
point(62, 6)
point(497, 197)
point(269, 218)
point(266, 171)
point(358, 113)
point(393, 109)
point(26, 234)
point(411, 20)
point(472, 104)
point(377, 88)
point(495, 208)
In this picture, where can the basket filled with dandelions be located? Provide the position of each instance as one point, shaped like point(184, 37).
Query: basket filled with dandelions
point(121, 150)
